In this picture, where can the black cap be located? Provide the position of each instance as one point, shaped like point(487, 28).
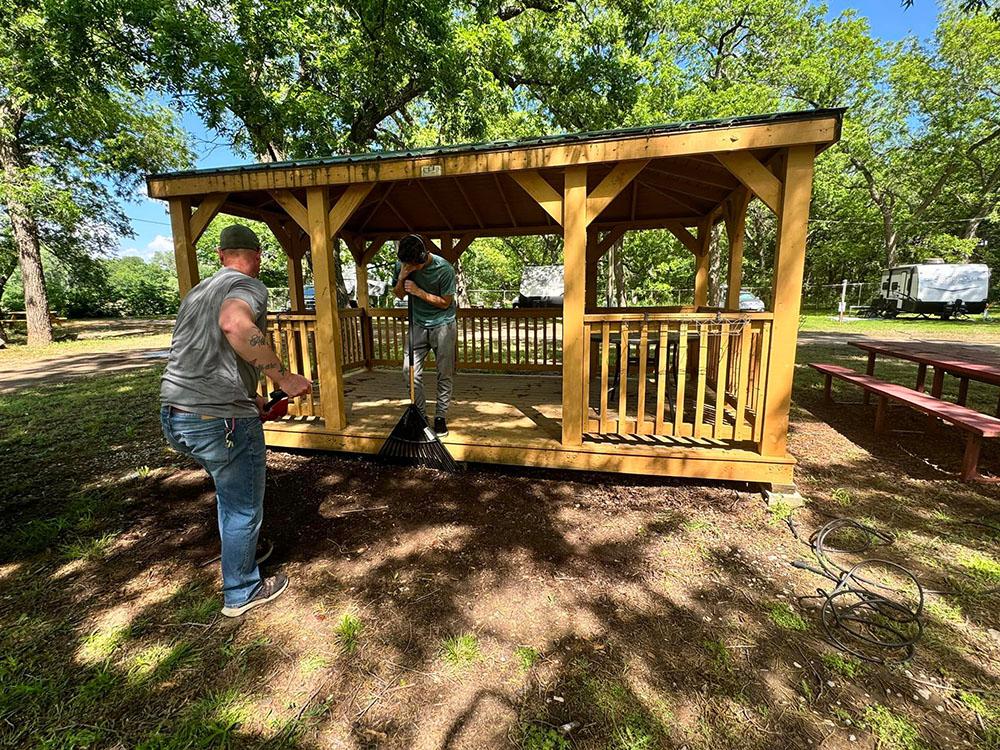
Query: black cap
point(238, 237)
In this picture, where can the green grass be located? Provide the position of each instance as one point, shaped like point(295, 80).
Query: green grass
point(982, 567)
point(975, 328)
point(539, 737)
point(526, 657)
point(890, 729)
point(782, 615)
point(348, 631)
point(88, 549)
point(460, 651)
point(845, 666)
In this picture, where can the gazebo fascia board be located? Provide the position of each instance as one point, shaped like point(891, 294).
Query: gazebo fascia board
point(809, 128)
point(584, 187)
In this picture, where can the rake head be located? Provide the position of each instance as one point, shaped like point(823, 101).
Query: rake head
point(413, 443)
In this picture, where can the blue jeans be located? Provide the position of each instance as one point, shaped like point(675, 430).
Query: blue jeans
point(238, 473)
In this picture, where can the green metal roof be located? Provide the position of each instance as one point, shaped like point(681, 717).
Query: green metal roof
point(545, 140)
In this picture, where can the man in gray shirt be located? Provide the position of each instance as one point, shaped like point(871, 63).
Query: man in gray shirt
point(210, 410)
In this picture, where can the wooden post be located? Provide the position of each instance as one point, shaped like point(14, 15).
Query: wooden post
point(184, 250)
point(736, 222)
point(702, 261)
point(328, 343)
point(789, 258)
point(593, 258)
point(296, 286)
point(575, 280)
point(361, 290)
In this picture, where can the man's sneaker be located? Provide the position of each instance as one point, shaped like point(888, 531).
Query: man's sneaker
point(440, 426)
point(269, 590)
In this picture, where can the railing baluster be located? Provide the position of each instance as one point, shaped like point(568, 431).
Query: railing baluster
point(586, 378)
point(762, 358)
point(682, 348)
point(622, 377)
point(699, 404)
point(661, 378)
point(743, 375)
point(720, 381)
point(640, 409)
point(605, 356)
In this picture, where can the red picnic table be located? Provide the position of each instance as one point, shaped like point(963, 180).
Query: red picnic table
point(962, 361)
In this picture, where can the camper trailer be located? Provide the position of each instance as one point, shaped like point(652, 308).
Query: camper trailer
point(933, 288)
point(541, 286)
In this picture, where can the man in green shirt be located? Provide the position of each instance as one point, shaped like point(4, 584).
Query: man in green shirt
point(430, 280)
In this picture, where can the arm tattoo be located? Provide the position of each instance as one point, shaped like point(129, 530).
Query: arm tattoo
point(257, 339)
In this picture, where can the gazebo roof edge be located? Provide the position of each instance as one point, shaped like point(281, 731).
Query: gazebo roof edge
point(537, 141)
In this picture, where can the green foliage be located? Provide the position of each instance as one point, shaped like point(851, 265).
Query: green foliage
point(526, 657)
point(782, 615)
point(460, 651)
point(348, 631)
point(891, 730)
point(538, 737)
point(842, 665)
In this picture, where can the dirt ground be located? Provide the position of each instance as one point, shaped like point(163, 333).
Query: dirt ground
point(495, 608)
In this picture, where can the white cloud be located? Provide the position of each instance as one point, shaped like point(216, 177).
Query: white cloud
point(158, 243)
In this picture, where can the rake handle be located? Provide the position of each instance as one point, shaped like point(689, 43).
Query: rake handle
point(409, 344)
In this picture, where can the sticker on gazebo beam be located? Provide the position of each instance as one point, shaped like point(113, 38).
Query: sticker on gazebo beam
point(758, 178)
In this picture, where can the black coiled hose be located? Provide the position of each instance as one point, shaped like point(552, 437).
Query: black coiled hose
point(869, 620)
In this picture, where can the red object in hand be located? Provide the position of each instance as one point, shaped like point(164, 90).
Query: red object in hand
point(276, 408)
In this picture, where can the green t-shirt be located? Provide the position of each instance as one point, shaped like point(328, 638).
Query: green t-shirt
point(437, 277)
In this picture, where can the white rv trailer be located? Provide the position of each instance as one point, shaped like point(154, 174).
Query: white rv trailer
point(933, 288)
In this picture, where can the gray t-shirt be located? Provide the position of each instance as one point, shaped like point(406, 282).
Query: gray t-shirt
point(204, 374)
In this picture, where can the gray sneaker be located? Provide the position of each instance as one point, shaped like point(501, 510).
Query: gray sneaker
point(269, 590)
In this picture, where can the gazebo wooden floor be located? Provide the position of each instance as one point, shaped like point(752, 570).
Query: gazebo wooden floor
point(516, 420)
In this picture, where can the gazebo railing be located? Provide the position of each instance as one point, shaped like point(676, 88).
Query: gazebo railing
point(689, 375)
point(293, 338)
point(522, 340)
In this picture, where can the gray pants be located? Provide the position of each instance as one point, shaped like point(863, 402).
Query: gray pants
point(440, 339)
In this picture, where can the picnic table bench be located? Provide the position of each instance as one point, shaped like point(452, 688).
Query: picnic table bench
point(953, 359)
point(975, 424)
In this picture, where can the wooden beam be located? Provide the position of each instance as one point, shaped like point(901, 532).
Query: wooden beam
point(349, 202)
point(698, 179)
point(463, 244)
point(671, 195)
point(735, 217)
point(747, 169)
point(702, 262)
point(605, 243)
point(574, 223)
point(503, 199)
point(544, 194)
point(361, 285)
point(687, 239)
point(296, 285)
point(611, 186)
point(373, 247)
point(427, 195)
point(293, 208)
point(328, 342)
point(789, 260)
point(185, 253)
point(465, 197)
point(207, 211)
point(593, 257)
point(823, 129)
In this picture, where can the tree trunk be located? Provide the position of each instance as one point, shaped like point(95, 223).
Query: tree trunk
point(29, 254)
point(461, 290)
point(616, 276)
point(338, 267)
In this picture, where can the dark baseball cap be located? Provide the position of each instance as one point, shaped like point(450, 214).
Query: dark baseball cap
point(238, 237)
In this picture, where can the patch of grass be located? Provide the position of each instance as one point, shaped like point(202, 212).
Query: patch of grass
point(842, 497)
point(634, 734)
point(842, 715)
point(719, 656)
point(158, 661)
point(348, 631)
point(945, 611)
point(313, 663)
point(989, 715)
point(891, 730)
point(209, 722)
point(842, 665)
point(101, 644)
point(538, 737)
point(983, 568)
point(699, 524)
point(88, 549)
point(196, 603)
point(460, 651)
point(526, 657)
point(782, 615)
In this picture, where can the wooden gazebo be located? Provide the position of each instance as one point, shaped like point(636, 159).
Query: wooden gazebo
point(686, 391)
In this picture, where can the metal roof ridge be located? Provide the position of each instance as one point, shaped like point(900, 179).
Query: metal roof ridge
point(530, 142)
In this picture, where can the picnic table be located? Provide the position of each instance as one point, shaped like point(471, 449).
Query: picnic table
point(959, 360)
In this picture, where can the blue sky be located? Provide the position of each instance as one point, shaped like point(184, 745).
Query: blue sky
point(152, 227)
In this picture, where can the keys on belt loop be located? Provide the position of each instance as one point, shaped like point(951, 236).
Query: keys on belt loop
point(230, 429)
